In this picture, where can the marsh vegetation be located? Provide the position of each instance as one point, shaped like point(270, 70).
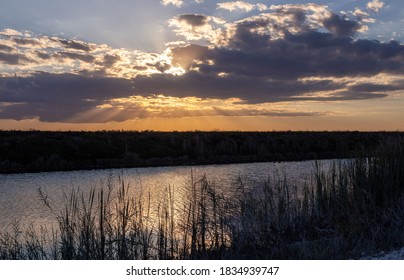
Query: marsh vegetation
point(353, 208)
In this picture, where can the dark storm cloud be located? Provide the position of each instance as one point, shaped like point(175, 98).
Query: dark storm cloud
point(44, 85)
point(59, 97)
point(193, 20)
point(245, 38)
point(161, 66)
point(370, 87)
point(42, 55)
point(110, 60)
point(76, 56)
point(6, 48)
point(250, 89)
point(56, 97)
point(305, 55)
point(73, 44)
point(340, 26)
point(13, 58)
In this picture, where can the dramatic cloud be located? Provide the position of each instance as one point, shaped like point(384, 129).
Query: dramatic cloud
point(198, 27)
point(288, 45)
point(73, 98)
point(25, 52)
point(187, 56)
point(73, 44)
point(193, 20)
point(341, 27)
point(76, 56)
point(241, 5)
point(6, 48)
point(57, 97)
point(284, 19)
point(289, 53)
point(13, 58)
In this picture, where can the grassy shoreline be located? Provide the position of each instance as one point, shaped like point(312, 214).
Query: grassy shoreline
point(350, 210)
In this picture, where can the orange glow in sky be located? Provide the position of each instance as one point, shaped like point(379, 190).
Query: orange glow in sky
point(194, 65)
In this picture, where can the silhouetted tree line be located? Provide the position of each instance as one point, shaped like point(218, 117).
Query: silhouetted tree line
point(36, 151)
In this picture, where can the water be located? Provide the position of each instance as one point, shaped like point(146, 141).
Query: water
point(19, 199)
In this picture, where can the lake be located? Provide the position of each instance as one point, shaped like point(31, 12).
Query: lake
point(19, 199)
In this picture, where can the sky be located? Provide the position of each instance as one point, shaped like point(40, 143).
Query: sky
point(202, 65)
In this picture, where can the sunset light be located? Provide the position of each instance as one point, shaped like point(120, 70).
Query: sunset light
point(282, 65)
point(242, 135)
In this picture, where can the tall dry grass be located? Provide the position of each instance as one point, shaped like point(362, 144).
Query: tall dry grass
point(356, 207)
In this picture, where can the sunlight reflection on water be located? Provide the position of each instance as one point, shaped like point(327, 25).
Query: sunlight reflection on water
point(19, 200)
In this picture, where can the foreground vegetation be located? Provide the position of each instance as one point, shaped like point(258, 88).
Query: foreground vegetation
point(37, 151)
point(355, 208)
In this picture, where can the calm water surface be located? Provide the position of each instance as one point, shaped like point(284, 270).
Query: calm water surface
point(19, 200)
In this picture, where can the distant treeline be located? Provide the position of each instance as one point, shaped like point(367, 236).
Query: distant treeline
point(36, 151)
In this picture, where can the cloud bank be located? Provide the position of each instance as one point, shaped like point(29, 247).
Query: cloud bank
point(287, 53)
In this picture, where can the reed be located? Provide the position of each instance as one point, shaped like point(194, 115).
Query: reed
point(354, 208)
